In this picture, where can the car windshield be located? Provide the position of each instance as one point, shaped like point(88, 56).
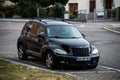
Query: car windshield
point(63, 31)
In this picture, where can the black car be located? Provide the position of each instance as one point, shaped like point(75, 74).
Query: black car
point(56, 42)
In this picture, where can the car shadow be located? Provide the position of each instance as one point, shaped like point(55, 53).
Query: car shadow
point(38, 62)
point(41, 63)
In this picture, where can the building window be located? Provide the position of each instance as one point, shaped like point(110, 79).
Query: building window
point(92, 5)
point(73, 7)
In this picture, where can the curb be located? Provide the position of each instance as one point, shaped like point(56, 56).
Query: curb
point(76, 21)
point(14, 20)
point(111, 30)
point(47, 70)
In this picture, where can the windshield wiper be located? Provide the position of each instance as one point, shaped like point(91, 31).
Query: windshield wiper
point(73, 37)
point(56, 37)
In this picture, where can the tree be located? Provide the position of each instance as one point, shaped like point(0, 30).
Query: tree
point(64, 2)
point(58, 10)
point(27, 8)
point(46, 3)
point(15, 1)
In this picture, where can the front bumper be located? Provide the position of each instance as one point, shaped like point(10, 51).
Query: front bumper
point(71, 60)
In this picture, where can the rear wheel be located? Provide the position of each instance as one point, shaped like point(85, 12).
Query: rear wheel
point(50, 60)
point(21, 52)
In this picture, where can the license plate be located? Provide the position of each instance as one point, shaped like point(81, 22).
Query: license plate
point(83, 58)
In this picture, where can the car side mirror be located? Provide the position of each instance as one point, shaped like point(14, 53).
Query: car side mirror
point(83, 35)
point(41, 35)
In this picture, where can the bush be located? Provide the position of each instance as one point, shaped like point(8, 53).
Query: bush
point(57, 10)
point(42, 12)
point(72, 16)
point(8, 10)
point(26, 8)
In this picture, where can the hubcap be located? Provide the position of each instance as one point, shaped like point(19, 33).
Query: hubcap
point(49, 60)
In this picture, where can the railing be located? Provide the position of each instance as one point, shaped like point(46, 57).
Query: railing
point(105, 15)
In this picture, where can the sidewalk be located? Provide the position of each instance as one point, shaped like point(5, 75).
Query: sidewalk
point(13, 20)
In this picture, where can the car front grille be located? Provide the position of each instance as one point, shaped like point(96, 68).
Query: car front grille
point(80, 51)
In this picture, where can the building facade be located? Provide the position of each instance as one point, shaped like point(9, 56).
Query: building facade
point(89, 6)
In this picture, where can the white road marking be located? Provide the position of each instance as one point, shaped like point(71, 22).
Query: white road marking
point(109, 68)
point(111, 30)
point(115, 25)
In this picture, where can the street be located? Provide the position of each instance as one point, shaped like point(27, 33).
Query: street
point(108, 44)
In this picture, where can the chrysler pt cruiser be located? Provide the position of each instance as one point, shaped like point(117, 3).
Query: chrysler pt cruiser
point(56, 42)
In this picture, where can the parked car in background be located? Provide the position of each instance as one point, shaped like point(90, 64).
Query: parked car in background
point(56, 42)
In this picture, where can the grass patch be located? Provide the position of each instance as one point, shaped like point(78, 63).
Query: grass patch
point(10, 71)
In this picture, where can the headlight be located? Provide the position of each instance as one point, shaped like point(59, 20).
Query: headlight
point(59, 51)
point(95, 51)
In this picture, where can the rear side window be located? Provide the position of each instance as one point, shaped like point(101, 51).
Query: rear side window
point(40, 29)
point(26, 26)
point(33, 26)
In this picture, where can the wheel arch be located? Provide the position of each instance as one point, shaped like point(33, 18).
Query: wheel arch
point(20, 42)
point(46, 52)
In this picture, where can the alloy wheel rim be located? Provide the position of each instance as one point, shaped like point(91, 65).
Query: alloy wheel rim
point(20, 53)
point(49, 60)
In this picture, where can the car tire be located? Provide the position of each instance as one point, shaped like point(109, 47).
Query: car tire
point(21, 52)
point(50, 60)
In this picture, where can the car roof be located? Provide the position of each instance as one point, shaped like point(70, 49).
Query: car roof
point(47, 22)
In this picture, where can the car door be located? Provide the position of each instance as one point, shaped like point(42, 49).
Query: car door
point(26, 34)
point(31, 36)
point(39, 41)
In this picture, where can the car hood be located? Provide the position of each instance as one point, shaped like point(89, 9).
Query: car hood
point(70, 42)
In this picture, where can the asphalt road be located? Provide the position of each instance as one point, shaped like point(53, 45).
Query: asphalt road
point(107, 42)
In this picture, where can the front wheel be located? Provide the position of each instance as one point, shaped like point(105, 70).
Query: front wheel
point(50, 61)
point(21, 52)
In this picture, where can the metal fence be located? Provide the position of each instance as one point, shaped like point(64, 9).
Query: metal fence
point(106, 15)
point(82, 15)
